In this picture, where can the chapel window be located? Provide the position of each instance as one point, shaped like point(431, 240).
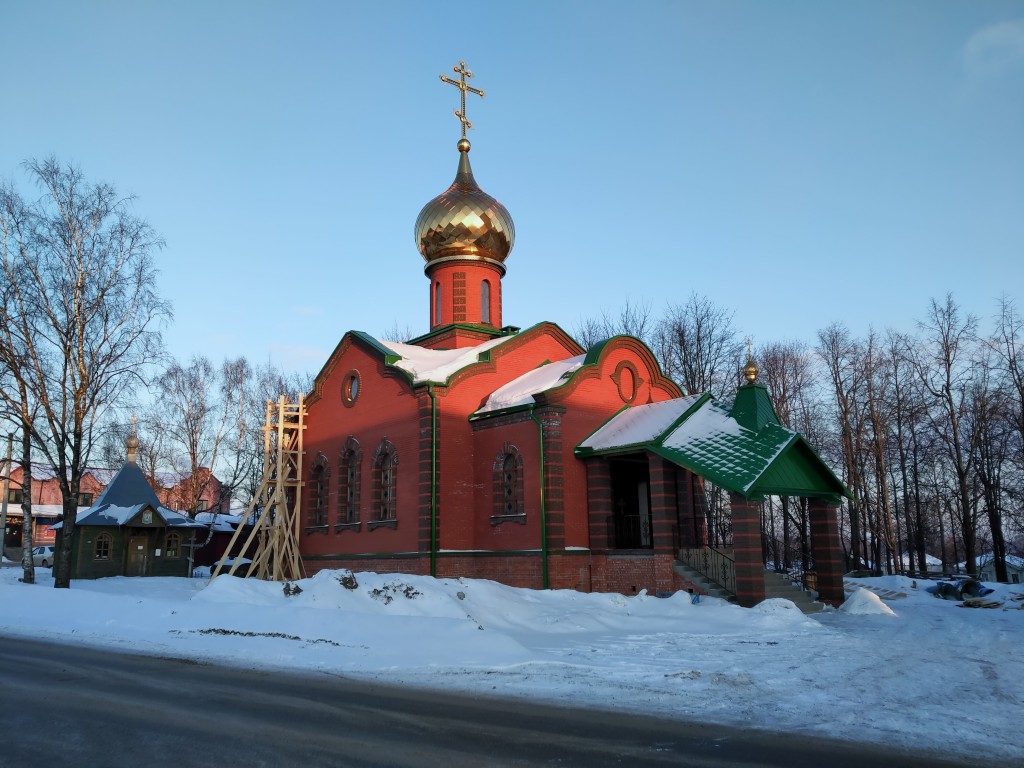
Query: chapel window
point(385, 470)
point(318, 492)
point(485, 302)
point(101, 549)
point(508, 487)
point(348, 482)
point(437, 303)
point(172, 547)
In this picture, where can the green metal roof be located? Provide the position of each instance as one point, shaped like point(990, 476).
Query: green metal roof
point(715, 442)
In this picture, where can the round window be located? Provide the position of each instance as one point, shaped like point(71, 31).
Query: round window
point(350, 388)
point(628, 381)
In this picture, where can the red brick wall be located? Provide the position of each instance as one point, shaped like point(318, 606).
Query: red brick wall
point(385, 408)
point(489, 440)
point(461, 289)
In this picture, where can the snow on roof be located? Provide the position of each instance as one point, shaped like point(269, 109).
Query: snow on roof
point(437, 364)
point(640, 424)
point(909, 559)
point(520, 391)
point(46, 510)
point(113, 514)
point(714, 438)
point(129, 487)
point(219, 521)
point(988, 557)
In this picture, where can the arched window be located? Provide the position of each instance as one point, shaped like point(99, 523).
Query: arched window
point(318, 491)
point(508, 487)
point(172, 547)
point(101, 549)
point(485, 301)
point(385, 470)
point(349, 464)
point(437, 303)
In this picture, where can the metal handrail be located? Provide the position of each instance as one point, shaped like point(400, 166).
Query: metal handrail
point(716, 565)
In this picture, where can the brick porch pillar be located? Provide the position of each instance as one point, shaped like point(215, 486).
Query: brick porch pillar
point(599, 501)
point(663, 502)
point(746, 537)
point(828, 554)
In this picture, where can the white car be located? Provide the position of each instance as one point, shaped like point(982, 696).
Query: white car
point(43, 556)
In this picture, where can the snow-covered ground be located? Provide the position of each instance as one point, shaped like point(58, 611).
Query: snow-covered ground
point(894, 665)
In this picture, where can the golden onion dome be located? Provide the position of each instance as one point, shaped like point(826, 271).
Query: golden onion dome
point(464, 222)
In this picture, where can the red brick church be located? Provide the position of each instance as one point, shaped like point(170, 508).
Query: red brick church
point(484, 450)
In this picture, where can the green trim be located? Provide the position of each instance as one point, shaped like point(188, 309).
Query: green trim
point(367, 556)
point(449, 553)
point(582, 452)
point(490, 330)
point(543, 504)
point(390, 358)
point(433, 480)
point(594, 353)
point(492, 553)
point(500, 412)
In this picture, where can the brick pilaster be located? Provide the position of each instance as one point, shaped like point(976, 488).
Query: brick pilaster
point(554, 475)
point(746, 537)
point(828, 552)
point(423, 469)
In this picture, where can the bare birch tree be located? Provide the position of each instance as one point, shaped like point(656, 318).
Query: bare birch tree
point(698, 346)
point(84, 308)
point(948, 373)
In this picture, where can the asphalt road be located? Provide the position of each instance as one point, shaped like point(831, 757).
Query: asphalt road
point(74, 706)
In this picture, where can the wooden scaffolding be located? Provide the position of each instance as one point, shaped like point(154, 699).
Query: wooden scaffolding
point(270, 549)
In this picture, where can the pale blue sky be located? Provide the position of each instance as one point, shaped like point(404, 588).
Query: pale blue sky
point(796, 162)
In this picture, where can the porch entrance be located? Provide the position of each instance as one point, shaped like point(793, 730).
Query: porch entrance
point(631, 518)
point(138, 555)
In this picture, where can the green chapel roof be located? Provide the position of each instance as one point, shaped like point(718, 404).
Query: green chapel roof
point(753, 457)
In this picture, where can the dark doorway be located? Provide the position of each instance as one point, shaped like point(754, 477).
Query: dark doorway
point(138, 555)
point(13, 533)
point(631, 503)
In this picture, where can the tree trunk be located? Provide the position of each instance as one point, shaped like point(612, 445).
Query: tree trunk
point(27, 564)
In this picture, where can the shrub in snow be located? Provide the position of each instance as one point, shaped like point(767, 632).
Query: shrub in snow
point(388, 592)
point(348, 580)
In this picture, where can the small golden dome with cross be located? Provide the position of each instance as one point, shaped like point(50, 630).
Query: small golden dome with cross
point(464, 222)
point(750, 370)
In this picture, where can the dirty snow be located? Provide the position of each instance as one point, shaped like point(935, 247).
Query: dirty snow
point(895, 666)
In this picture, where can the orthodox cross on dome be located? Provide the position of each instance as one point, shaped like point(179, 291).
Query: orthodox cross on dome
point(463, 86)
point(133, 442)
point(750, 370)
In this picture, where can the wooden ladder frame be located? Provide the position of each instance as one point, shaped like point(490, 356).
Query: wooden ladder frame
point(274, 537)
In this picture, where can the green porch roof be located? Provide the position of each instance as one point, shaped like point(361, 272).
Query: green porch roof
point(743, 449)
